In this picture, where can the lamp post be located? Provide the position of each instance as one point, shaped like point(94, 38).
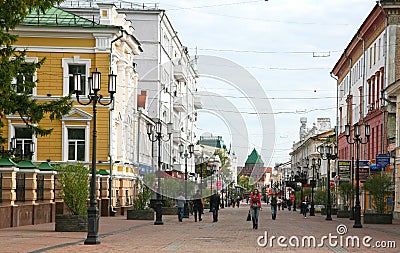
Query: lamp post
point(185, 153)
point(95, 98)
point(157, 135)
point(294, 184)
point(8, 153)
point(313, 183)
point(357, 140)
point(328, 153)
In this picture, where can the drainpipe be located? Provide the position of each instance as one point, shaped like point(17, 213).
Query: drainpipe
point(385, 49)
point(110, 127)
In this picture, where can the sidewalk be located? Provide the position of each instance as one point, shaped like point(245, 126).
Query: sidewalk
point(232, 233)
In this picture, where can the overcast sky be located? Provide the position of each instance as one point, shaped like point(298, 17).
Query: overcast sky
point(289, 46)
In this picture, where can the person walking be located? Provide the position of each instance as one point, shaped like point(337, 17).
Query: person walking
point(274, 204)
point(198, 205)
point(304, 207)
point(255, 207)
point(215, 202)
point(181, 205)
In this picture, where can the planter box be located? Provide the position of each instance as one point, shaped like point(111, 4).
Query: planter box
point(71, 223)
point(377, 218)
point(140, 214)
point(343, 214)
point(170, 210)
point(333, 211)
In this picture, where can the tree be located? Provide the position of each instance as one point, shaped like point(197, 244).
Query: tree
point(345, 190)
point(16, 82)
point(378, 185)
point(74, 183)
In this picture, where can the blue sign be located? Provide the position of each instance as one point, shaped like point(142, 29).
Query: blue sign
point(382, 160)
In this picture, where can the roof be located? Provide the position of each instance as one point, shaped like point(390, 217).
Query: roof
point(254, 157)
point(25, 164)
point(7, 162)
point(45, 166)
point(58, 17)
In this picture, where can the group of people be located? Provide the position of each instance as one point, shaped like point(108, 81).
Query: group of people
point(198, 206)
point(215, 202)
point(255, 207)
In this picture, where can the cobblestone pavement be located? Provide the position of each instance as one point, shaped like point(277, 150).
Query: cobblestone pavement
point(232, 233)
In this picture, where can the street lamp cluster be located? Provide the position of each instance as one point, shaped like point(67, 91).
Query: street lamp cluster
point(95, 98)
point(155, 134)
point(328, 153)
point(186, 153)
point(315, 164)
point(357, 140)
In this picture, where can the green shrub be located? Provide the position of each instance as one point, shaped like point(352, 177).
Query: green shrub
point(142, 199)
point(74, 184)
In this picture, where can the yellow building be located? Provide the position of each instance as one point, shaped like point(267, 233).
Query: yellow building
point(72, 44)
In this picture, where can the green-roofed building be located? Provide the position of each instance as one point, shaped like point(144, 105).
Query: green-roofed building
point(254, 166)
point(254, 158)
point(71, 43)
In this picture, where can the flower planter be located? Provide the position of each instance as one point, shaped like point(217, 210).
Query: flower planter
point(71, 223)
point(343, 214)
point(170, 210)
point(378, 218)
point(140, 214)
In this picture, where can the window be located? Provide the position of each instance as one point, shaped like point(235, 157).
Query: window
point(23, 136)
point(71, 66)
point(76, 144)
point(40, 188)
point(24, 80)
point(20, 189)
point(73, 69)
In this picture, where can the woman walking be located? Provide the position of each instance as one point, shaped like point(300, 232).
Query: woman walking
point(255, 207)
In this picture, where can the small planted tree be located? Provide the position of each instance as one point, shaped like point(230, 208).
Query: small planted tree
point(74, 184)
point(345, 191)
point(142, 199)
point(378, 185)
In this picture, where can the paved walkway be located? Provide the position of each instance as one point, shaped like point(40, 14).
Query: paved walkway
point(232, 233)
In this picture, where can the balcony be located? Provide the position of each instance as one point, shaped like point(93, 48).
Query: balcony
point(179, 105)
point(180, 73)
point(179, 136)
point(197, 102)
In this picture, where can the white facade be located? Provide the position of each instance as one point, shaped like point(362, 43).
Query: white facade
point(166, 72)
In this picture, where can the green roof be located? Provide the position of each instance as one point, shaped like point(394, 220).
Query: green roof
point(25, 164)
point(58, 17)
point(103, 172)
point(254, 157)
point(45, 166)
point(7, 162)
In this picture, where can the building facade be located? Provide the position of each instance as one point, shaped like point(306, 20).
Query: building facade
point(364, 72)
point(167, 76)
point(72, 44)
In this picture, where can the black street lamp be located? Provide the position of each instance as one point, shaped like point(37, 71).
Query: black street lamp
point(94, 97)
point(157, 135)
point(313, 183)
point(357, 140)
point(328, 153)
point(9, 152)
point(293, 183)
point(185, 153)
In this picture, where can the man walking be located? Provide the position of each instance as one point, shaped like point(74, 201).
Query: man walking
point(198, 205)
point(181, 205)
point(215, 201)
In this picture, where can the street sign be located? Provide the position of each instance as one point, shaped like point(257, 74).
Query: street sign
point(382, 160)
point(364, 169)
point(344, 170)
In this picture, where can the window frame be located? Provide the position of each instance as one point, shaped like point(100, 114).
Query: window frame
point(76, 60)
point(67, 142)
